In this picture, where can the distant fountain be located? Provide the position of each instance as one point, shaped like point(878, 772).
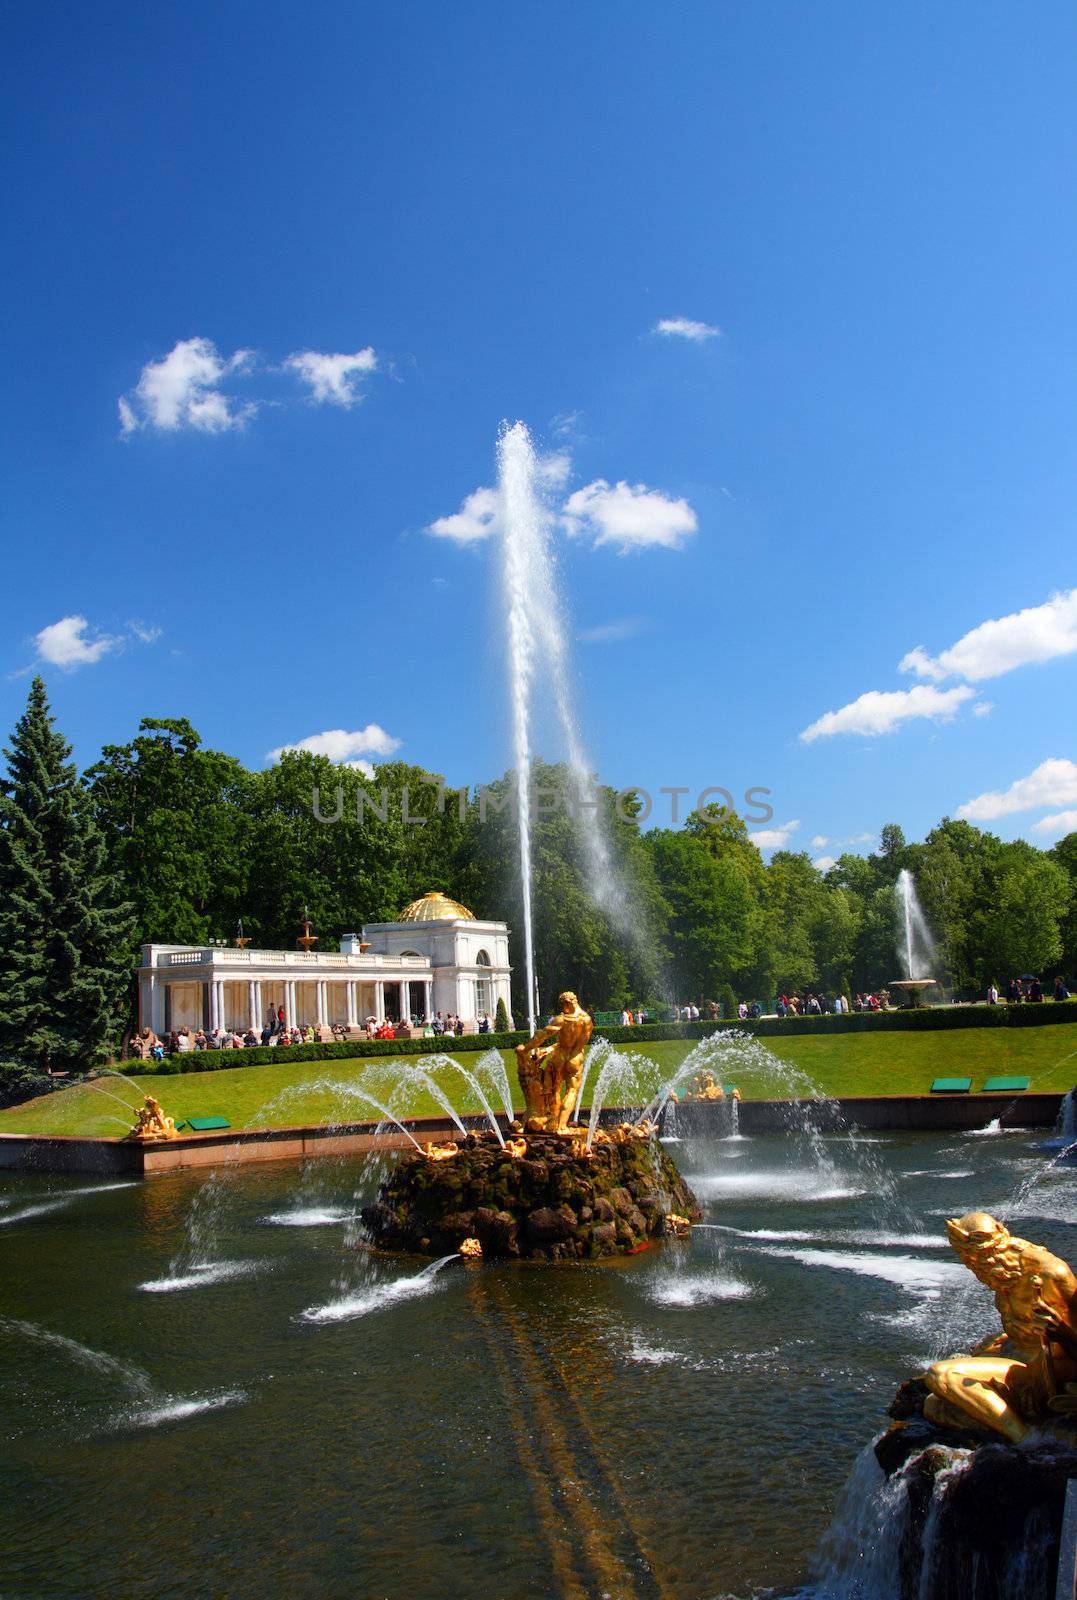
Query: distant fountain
point(916, 947)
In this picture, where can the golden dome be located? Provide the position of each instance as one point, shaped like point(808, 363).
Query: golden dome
point(436, 907)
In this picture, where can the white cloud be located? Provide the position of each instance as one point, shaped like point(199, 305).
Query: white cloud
point(1039, 633)
point(613, 632)
point(819, 841)
point(65, 644)
point(345, 748)
point(685, 328)
point(476, 519)
point(824, 863)
point(983, 708)
point(182, 391)
point(554, 470)
point(628, 516)
point(333, 379)
point(881, 712)
point(1054, 783)
point(774, 838)
point(479, 514)
point(144, 632)
point(1056, 826)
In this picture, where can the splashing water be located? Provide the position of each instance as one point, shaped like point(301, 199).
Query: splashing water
point(377, 1295)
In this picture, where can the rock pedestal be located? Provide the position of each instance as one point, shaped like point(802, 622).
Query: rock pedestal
point(981, 1517)
point(546, 1205)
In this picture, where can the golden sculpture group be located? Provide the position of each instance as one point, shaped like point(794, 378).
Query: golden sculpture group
point(550, 1073)
point(1026, 1375)
point(152, 1124)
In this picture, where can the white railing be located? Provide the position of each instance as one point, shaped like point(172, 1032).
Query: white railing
point(216, 956)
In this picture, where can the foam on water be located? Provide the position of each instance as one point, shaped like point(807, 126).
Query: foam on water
point(651, 1355)
point(842, 1236)
point(309, 1217)
point(697, 1289)
point(929, 1172)
point(796, 1184)
point(926, 1278)
point(201, 1276)
point(378, 1295)
point(169, 1408)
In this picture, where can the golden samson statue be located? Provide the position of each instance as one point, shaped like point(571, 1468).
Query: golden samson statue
point(1019, 1378)
point(550, 1073)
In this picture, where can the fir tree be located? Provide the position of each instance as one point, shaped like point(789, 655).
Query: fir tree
point(63, 933)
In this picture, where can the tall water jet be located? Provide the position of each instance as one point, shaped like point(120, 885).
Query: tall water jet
point(536, 631)
point(523, 553)
point(916, 947)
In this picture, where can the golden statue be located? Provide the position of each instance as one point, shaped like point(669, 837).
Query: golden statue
point(471, 1248)
point(152, 1123)
point(550, 1073)
point(1014, 1380)
point(707, 1088)
point(440, 1152)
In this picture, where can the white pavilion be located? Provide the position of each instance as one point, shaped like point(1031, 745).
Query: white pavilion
point(437, 956)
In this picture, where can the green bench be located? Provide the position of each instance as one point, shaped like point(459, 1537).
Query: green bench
point(951, 1086)
point(1006, 1085)
point(207, 1124)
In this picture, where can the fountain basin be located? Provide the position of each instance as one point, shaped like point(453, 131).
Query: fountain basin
point(913, 989)
point(548, 1205)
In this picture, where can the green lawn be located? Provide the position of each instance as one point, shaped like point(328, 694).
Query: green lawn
point(307, 1092)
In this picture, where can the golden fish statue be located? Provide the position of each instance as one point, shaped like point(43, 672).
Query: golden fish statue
point(471, 1248)
point(1016, 1380)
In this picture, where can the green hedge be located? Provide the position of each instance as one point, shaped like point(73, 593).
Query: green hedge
point(924, 1018)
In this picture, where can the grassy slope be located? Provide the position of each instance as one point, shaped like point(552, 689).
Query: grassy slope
point(883, 1063)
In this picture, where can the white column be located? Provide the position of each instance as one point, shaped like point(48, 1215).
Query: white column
point(254, 1005)
point(289, 1002)
point(405, 1000)
point(320, 998)
point(428, 999)
point(379, 1000)
point(221, 1018)
point(353, 1009)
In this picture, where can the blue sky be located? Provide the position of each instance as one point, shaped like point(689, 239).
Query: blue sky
point(491, 210)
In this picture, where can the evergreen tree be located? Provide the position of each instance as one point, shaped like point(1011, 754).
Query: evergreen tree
point(63, 958)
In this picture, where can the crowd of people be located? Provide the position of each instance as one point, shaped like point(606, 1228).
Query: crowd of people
point(149, 1046)
point(1028, 989)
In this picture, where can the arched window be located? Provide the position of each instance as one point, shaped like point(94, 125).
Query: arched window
point(484, 998)
point(410, 953)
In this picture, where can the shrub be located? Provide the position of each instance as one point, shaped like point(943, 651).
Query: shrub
point(501, 1016)
point(923, 1019)
point(727, 1000)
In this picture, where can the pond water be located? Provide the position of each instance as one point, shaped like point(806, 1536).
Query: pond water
point(207, 1390)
